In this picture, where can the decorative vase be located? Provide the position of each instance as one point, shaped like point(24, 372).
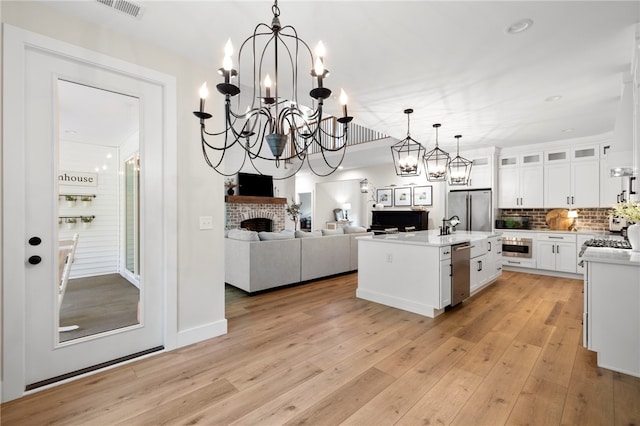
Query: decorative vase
point(633, 234)
point(230, 191)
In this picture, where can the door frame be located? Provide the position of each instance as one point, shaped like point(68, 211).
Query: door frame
point(14, 247)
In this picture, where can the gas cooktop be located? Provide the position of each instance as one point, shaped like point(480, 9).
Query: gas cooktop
point(604, 242)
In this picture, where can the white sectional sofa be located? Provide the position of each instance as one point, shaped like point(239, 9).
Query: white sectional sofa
point(260, 265)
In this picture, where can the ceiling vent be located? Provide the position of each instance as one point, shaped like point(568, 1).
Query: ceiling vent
point(123, 6)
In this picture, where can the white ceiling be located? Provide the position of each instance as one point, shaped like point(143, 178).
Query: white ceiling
point(96, 116)
point(450, 61)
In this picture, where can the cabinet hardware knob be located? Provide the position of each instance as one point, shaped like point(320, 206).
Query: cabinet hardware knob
point(34, 260)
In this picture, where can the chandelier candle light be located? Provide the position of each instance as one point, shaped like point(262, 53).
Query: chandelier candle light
point(291, 131)
point(407, 153)
point(436, 162)
point(459, 167)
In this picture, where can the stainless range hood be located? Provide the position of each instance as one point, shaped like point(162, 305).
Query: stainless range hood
point(621, 171)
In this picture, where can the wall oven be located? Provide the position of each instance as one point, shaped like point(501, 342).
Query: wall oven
point(521, 247)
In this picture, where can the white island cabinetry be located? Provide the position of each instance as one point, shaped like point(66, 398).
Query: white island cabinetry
point(412, 271)
point(480, 269)
point(611, 322)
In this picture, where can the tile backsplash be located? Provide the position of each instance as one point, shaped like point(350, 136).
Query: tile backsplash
point(593, 219)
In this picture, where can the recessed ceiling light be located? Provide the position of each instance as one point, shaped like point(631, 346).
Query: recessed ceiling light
point(553, 98)
point(519, 26)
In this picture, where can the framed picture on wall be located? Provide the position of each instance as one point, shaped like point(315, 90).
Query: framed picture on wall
point(402, 197)
point(384, 197)
point(423, 195)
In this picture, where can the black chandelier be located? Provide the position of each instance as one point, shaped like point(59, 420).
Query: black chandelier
point(291, 131)
point(459, 167)
point(436, 162)
point(407, 153)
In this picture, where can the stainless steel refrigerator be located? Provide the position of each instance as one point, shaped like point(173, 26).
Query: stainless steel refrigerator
point(473, 207)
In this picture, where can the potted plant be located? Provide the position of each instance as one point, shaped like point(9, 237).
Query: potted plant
point(71, 222)
point(86, 220)
point(293, 210)
point(71, 200)
point(86, 200)
point(230, 184)
point(630, 211)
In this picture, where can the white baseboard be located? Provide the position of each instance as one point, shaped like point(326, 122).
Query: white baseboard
point(198, 334)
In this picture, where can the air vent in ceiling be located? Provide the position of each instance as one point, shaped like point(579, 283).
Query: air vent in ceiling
point(123, 6)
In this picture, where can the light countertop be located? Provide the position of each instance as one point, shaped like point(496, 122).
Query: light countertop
point(430, 238)
point(612, 255)
point(552, 231)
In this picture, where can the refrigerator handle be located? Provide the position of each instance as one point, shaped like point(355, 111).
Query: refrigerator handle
point(469, 210)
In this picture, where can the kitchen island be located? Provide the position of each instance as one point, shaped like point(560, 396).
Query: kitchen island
point(412, 270)
point(611, 319)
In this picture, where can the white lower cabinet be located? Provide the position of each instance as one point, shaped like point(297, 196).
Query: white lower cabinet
point(556, 252)
point(445, 277)
point(478, 264)
point(494, 257)
point(480, 271)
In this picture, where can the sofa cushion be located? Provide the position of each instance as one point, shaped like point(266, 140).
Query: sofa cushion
point(269, 236)
point(337, 231)
point(243, 235)
point(303, 234)
point(354, 229)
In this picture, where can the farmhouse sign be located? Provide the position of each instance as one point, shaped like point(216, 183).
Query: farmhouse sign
point(78, 179)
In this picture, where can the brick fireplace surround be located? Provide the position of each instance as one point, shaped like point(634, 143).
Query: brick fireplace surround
point(239, 208)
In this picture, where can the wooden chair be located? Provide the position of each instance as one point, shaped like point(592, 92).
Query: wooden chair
point(66, 255)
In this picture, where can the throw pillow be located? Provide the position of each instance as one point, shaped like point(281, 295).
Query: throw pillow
point(243, 235)
point(337, 231)
point(303, 234)
point(354, 229)
point(270, 236)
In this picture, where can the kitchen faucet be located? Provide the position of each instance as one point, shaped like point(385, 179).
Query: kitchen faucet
point(447, 224)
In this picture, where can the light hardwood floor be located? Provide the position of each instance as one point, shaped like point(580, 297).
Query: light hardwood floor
point(315, 354)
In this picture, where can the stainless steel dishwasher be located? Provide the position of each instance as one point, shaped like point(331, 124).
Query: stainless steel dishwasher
point(460, 273)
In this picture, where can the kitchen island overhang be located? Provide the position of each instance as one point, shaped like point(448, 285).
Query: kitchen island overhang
point(412, 270)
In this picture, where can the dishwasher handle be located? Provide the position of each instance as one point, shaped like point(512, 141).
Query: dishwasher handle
point(459, 248)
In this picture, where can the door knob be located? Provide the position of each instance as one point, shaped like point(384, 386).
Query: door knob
point(34, 260)
point(35, 241)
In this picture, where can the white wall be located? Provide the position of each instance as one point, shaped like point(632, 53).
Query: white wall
point(97, 252)
point(200, 191)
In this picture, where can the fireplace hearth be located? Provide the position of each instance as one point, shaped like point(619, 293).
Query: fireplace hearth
point(257, 224)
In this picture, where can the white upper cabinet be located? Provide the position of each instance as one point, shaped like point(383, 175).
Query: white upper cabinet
point(481, 173)
point(520, 181)
point(572, 177)
point(481, 170)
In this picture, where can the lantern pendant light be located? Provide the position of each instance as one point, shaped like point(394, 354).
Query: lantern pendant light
point(436, 162)
point(407, 153)
point(459, 167)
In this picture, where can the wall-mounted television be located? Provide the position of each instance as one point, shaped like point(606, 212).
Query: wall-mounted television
point(255, 185)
